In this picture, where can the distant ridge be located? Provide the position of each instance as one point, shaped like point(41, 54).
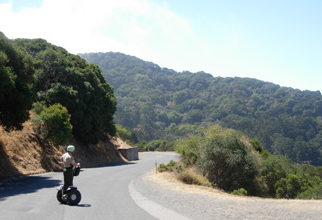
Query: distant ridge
point(162, 103)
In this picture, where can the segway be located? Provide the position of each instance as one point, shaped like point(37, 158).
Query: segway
point(73, 196)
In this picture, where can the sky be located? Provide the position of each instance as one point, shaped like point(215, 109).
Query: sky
point(277, 41)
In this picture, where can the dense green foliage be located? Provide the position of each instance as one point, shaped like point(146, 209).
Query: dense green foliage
point(226, 161)
point(16, 80)
point(125, 134)
point(222, 157)
point(240, 192)
point(166, 167)
point(156, 145)
point(314, 191)
point(160, 103)
point(289, 186)
point(80, 87)
point(35, 71)
point(53, 123)
point(235, 163)
point(272, 170)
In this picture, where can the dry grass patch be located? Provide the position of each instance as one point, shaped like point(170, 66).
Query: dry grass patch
point(192, 176)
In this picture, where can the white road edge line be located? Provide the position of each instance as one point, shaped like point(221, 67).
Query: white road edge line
point(153, 208)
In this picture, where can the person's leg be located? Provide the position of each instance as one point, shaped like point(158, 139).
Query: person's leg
point(65, 187)
point(68, 179)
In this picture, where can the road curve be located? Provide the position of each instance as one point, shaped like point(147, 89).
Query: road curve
point(128, 192)
point(105, 193)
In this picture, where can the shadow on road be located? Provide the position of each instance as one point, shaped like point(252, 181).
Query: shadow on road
point(120, 164)
point(84, 205)
point(111, 165)
point(25, 185)
point(6, 167)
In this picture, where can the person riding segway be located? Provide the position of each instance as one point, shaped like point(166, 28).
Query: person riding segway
point(69, 193)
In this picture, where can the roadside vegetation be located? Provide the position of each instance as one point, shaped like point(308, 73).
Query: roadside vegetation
point(69, 98)
point(16, 84)
point(229, 160)
point(125, 134)
point(52, 123)
point(156, 145)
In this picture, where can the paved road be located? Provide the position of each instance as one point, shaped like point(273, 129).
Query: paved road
point(107, 193)
point(125, 192)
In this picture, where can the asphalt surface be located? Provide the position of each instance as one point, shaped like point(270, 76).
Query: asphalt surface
point(123, 192)
point(105, 194)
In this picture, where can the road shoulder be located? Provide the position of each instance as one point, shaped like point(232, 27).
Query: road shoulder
point(198, 201)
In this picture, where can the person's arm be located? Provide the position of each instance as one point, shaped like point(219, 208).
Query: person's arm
point(61, 160)
point(74, 163)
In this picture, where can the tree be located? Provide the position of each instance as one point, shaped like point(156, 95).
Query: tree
point(289, 187)
point(227, 162)
point(314, 191)
point(273, 169)
point(53, 123)
point(16, 81)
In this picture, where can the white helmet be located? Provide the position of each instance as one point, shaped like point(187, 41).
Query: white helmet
point(70, 148)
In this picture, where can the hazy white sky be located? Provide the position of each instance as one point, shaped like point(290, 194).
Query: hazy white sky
point(279, 41)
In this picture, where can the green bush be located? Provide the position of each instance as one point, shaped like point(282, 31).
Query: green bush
point(167, 167)
point(226, 161)
point(53, 123)
point(189, 149)
point(273, 169)
point(125, 134)
point(289, 187)
point(240, 192)
point(141, 145)
point(312, 192)
point(122, 132)
point(38, 107)
point(156, 145)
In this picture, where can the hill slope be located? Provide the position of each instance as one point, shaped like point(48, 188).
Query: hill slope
point(161, 103)
point(67, 96)
point(23, 152)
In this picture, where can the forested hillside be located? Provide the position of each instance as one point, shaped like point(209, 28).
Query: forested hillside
point(68, 97)
point(160, 103)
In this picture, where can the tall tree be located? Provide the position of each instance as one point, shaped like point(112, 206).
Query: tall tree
point(16, 81)
point(68, 79)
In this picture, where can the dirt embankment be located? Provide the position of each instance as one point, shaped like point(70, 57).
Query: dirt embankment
point(23, 153)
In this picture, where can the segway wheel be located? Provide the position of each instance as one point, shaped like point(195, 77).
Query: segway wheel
point(74, 197)
point(59, 197)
